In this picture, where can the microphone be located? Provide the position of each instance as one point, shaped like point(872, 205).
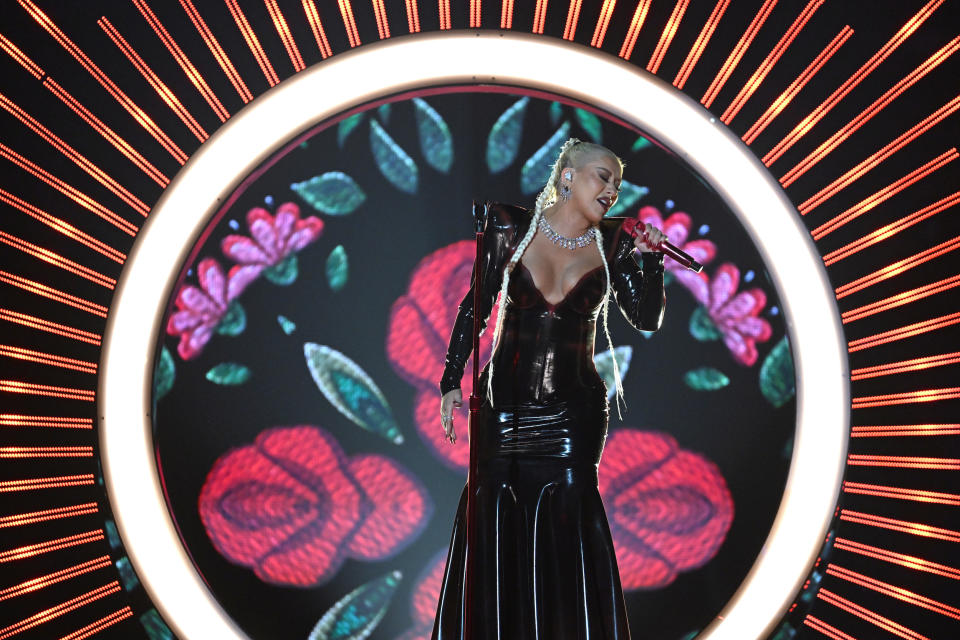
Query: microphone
point(630, 226)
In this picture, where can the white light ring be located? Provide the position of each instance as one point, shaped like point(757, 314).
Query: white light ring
point(464, 58)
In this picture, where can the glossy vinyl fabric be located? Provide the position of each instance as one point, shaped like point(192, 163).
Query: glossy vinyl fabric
point(545, 565)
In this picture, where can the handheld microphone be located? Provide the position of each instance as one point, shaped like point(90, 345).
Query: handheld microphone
point(630, 227)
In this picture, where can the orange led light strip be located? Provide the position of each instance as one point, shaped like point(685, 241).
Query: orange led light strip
point(214, 45)
point(539, 16)
point(53, 578)
point(758, 76)
point(41, 289)
point(60, 226)
point(899, 493)
point(573, 17)
point(911, 562)
point(866, 614)
point(353, 36)
point(33, 517)
point(900, 299)
point(47, 358)
point(129, 105)
point(913, 528)
point(831, 632)
point(50, 327)
point(893, 591)
point(696, 51)
point(904, 462)
point(867, 114)
point(506, 15)
point(897, 430)
point(60, 422)
point(633, 32)
point(910, 397)
point(603, 21)
point(666, 38)
point(31, 550)
point(11, 49)
point(252, 42)
point(734, 58)
point(880, 197)
point(101, 624)
point(316, 26)
point(900, 333)
point(280, 24)
point(55, 612)
point(785, 98)
point(858, 76)
point(31, 389)
point(56, 482)
point(57, 260)
point(46, 452)
point(475, 14)
point(94, 171)
point(898, 267)
point(196, 79)
point(76, 195)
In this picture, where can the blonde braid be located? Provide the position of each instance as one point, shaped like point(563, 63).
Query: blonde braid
point(618, 381)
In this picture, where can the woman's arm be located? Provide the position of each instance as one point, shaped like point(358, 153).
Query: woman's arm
point(638, 289)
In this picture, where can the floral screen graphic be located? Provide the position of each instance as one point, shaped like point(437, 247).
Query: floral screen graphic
point(296, 385)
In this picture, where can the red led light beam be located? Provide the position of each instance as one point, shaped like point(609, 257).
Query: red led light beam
point(666, 38)
point(36, 584)
point(696, 51)
point(40, 324)
point(214, 45)
point(252, 42)
point(316, 26)
point(900, 493)
point(633, 32)
point(735, 56)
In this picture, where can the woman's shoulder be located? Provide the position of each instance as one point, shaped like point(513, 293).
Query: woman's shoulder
point(507, 218)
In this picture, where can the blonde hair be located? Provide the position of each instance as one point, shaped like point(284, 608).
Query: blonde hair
point(572, 154)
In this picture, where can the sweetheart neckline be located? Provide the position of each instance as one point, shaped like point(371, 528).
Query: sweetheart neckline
point(553, 305)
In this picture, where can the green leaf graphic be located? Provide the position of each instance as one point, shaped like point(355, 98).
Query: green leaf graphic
point(383, 111)
point(702, 327)
point(590, 123)
point(436, 142)
point(234, 320)
point(604, 363)
point(338, 268)
point(346, 126)
point(640, 143)
point(286, 324)
point(504, 139)
point(556, 112)
point(283, 273)
point(127, 576)
point(334, 193)
point(777, 382)
point(228, 374)
point(629, 195)
point(705, 379)
point(351, 391)
point(394, 163)
point(155, 627)
point(536, 169)
point(165, 374)
point(356, 615)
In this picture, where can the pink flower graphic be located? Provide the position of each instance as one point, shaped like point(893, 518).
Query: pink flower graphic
point(677, 227)
point(200, 310)
point(669, 509)
point(293, 506)
point(273, 238)
point(426, 595)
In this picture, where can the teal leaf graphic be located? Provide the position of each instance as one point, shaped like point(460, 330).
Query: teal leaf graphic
point(537, 168)
point(228, 374)
point(155, 627)
point(384, 112)
point(777, 382)
point(127, 576)
point(357, 614)
point(436, 142)
point(113, 536)
point(338, 268)
point(556, 112)
point(284, 272)
point(234, 320)
point(590, 123)
point(346, 126)
point(504, 139)
point(286, 324)
point(394, 163)
point(668, 278)
point(641, 143)
point(629, 195)
point(165, 374)
point(702, 327)
point(705, 379)
point(604, 364)
point(351, 391)
point(334, 193)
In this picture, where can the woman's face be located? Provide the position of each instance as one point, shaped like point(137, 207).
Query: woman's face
point(595, 186)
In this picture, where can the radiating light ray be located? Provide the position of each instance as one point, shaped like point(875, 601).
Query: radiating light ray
point(899, 430)
point(57, 260)
point(894, 524)
point(46, 452)
point(280, 24)
point(196, 79)
point(55, 612)
point(60, 226)
point(40, 289)
point(573, 17)
point(850, 83)
point(911, 562)
point(74, 194)
point(36, 584)
point(734, 58)
point(881, 196)
point(316, 26)
point(50, 391)
point(785, 98)
point(696, 51)
point(898, 267)
point(93, 170)
point(22, 59)
point(506, 15)
point(666, 38)
point(910, 397)
point(55, 422)
point(40, 324)
point(539, 16)
point(899, 493)
point(443, 8)
point(475, 14)
point(603, 21)
point(23, 519)
point(129, 105)
point(57, 482)
point(870, 616)
point(350, 24)
point(29, 355)
point(867, 114)
point(904, 462)
point(214, 45)
point(761, 73)
point(893, 591)
point(830, 631)
point(99, 625)
point(900, 299)
point(252, 42)
point(636, 23)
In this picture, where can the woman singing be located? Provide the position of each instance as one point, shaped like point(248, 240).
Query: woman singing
point(545, 565)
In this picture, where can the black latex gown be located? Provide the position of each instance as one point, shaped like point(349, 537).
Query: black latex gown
point(545, 567)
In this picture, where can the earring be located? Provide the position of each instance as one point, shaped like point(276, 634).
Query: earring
point(564, 191)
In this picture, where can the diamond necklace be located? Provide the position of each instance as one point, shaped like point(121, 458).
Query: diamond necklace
point(582, 240)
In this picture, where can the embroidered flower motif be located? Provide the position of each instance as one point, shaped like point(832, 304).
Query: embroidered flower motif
point(292, 506)
point(426, 594)
point(677, 227)
point(273, 238)
point(669, 509)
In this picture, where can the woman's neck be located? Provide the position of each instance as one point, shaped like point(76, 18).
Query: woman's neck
point(566, 219)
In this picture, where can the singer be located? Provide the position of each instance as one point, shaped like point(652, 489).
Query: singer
point(545, 565)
